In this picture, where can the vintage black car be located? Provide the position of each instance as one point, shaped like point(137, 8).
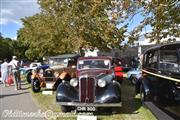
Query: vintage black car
point(33, 66)
point(59, 66)
point(160, 80)
point(93, 87)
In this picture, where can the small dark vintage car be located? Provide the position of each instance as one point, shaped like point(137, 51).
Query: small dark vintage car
point(160, 80)
point(28, 70)
point(50, 78)
point(93, 87)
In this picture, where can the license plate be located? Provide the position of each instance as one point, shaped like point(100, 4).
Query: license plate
point(49, 85)
point(89, 109)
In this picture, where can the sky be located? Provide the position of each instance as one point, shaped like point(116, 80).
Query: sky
point(11, 11)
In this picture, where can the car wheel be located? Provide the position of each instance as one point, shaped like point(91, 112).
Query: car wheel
point(66, 109)
point(28, 77)
point(36, 85)
point(133, 80)
point(143, 96)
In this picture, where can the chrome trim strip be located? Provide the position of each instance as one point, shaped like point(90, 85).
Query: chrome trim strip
point(86, 77)
point(161, 76)
point(91, 104)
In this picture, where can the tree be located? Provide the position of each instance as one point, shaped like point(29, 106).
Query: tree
point(9, 47)
point(1, 37)
point(63, 26)
point(162, 15)
point(6, 50)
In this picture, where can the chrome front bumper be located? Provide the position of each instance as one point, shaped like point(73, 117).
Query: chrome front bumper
point(90, 104)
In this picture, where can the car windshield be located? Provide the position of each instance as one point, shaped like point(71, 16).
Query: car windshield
point(58, 61)
point(94, 64)
point(169, 60)
point(169, 56)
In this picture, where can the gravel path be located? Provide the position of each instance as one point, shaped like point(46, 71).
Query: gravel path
point(18, 104)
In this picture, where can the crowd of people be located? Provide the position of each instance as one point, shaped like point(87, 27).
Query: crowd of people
point(11, 70)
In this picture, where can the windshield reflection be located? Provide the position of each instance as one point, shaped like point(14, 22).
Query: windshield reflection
point(169, 61)
point(58, 61)
point(94, 64)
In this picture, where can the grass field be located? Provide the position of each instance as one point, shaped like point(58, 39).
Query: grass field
point(131, 108)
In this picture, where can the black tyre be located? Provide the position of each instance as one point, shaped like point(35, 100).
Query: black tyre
point(133, 80)
point(35, 85)
point(28, 77)
point(65, 109)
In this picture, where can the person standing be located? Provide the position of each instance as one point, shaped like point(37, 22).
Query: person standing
point(4, 71)
point(15, 65)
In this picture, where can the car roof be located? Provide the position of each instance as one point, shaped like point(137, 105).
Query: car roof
point(170, 46)
point(97, 57)
point(166, 46)
point(65, 56)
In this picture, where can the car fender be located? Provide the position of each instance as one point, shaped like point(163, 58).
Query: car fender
point(146, 85)
point(66, 93)
point(110, 94)
point(137, 74)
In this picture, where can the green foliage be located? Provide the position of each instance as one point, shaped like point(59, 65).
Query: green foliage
point(63, 26)
point(6, 50)
point(162, 15)
point(9, 47)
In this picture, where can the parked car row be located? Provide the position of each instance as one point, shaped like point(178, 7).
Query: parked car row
point(82, 83)
point(87, 83)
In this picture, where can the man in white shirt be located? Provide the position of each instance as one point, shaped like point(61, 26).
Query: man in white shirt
point(15, 71)
point(4, 71)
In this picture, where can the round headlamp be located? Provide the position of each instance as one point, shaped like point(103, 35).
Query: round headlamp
point(101, 83)
point(74, 82)
point(41, 71)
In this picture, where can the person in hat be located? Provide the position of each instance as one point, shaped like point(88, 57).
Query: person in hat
point(15, 65)
point(4, 71)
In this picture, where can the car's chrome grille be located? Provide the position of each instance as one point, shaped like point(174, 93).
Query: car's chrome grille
point(86, 88)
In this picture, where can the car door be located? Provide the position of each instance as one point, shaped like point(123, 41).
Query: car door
point(150, 68)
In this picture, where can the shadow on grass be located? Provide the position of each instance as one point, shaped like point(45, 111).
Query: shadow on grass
point(127, 108)
point(8, 95)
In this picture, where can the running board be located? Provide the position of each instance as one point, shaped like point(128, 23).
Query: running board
point(159, 114)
